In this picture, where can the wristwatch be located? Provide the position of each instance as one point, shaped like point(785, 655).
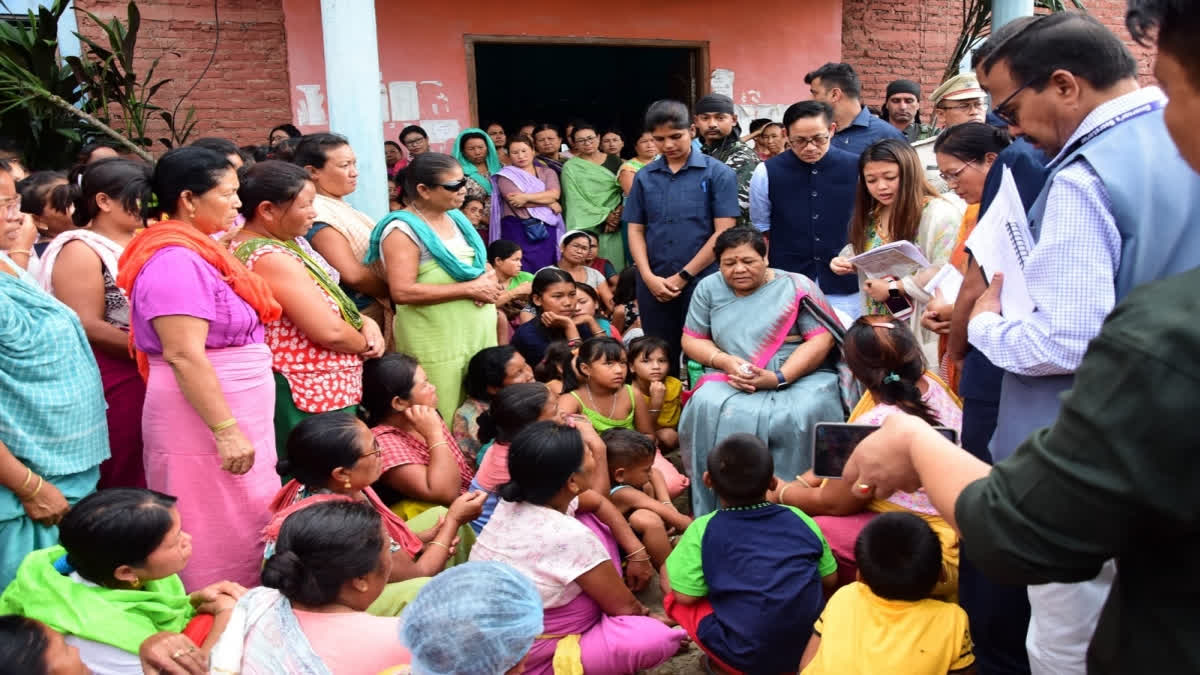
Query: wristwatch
point(686, 276)
point(894, 289)
point(783, 382)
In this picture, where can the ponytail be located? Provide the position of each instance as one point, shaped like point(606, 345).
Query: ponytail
point(887, 359)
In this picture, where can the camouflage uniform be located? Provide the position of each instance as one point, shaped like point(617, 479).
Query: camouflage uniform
point(743, 160)
point(919, 132)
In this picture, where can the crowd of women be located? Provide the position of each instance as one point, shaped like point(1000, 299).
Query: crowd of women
point(248, 428)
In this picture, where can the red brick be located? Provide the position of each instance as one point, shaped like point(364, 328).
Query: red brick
point(887, 40)
point(243, 94)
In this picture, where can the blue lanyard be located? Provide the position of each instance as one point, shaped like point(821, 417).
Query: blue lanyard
point(1090, 136)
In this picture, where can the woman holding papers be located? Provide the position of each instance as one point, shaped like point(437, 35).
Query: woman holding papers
point(895, 203)
point(965, 153)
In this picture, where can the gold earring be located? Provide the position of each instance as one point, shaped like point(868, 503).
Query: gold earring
point(347, 485)
point(136, 583)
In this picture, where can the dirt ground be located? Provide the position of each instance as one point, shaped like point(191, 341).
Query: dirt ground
point(689, 661)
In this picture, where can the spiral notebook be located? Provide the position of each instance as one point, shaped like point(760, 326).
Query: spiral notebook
point(1001, 242)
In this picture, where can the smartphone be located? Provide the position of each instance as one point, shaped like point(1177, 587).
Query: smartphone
point(834, 442)
point(899, 306)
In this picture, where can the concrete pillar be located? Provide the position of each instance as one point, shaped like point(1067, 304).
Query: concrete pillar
point(352, 80)
point(1004, 11)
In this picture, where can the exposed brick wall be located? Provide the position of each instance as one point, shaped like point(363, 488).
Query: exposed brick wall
point(243, 94)
point(887, 40)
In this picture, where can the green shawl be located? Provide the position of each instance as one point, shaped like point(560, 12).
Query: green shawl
point(493, 159)
point(591, 193)
point(349, 310)
point(117, 617)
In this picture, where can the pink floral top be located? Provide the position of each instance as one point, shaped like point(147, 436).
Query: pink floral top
point(552, 548)
point(321, 379)
point(946, 410)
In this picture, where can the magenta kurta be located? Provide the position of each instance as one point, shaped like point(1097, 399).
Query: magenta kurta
point(224, 513)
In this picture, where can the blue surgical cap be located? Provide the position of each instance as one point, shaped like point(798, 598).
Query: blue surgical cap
point(478, 618)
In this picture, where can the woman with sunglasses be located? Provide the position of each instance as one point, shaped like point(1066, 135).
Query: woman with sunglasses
point(438, 274)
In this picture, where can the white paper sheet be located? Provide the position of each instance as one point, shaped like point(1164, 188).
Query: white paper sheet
point(897, 259)
point(1001, 243)
point(947, 282)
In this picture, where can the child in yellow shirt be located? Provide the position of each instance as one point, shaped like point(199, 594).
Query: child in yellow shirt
point(886, 623)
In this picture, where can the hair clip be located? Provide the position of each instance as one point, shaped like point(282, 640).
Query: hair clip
point(882, 324)
point(891, 377)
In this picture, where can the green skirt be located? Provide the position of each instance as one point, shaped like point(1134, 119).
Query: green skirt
point(287, 416)
point(396, 596)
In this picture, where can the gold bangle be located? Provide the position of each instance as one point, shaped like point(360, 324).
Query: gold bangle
point(712, 360)
point(446, 443)
point(784, 489)
point(36, 489)
point(28, 477)
point(633, 560)
point(222, 426)
point(435, 542)
point(635, 553)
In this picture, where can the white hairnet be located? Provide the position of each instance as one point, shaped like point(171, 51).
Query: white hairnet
point(478, 618)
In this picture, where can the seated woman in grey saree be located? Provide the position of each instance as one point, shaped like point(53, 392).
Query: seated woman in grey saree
point(771, 369)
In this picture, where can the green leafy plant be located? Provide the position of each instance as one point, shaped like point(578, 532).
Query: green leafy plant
point(108, 78)
point(38, 93)
point(977, 24)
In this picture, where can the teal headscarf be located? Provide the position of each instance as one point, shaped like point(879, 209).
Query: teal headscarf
point(447, 260)
point(493, 159)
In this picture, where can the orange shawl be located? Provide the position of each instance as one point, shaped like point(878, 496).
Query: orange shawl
point(248, 285)
point(958, 258)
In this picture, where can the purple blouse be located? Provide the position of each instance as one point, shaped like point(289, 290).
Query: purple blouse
point(176, 281)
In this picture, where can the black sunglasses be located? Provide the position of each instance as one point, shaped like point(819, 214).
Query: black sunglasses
point(455, 186)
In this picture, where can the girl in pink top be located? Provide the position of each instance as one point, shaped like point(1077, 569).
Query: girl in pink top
point(514, 408)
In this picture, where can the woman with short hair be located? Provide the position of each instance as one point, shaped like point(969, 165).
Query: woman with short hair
point(341, 233)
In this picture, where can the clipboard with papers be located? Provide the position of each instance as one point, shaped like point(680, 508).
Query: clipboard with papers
point(1001, 243)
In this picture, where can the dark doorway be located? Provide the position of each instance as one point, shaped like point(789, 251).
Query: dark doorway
point(609, 85)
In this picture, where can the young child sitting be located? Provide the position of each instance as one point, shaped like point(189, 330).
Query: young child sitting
point(602, 395)
point(640, 493)
point(746, 580)
point(886, 621)
point(557, 369)
point(648, 361)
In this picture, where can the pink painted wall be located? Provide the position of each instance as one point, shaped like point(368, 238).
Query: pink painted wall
point(422, 49)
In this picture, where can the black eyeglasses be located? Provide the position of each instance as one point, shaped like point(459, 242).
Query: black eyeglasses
point(1002, 108)
point(455, 186)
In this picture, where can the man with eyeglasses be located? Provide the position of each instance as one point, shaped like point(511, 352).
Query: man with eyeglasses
point(1115, 213)
point(958, 100)
point(803, 197)
point(717, 123)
